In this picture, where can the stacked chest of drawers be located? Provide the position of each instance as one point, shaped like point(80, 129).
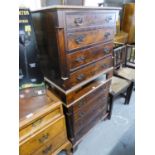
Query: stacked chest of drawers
point(76, 46)
point(42, 127)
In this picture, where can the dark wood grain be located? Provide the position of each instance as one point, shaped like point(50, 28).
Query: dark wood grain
point(89, 71)
point(84, 57)
point(79, 41)
point(75, 20)
point(32, 104)
point(84, 38)
point(71, 97)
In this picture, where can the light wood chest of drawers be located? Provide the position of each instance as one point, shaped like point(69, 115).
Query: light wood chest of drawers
point(42, 128)
point(76, 46)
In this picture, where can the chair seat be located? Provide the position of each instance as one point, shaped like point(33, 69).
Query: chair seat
point(127, 73)
point(118, 84)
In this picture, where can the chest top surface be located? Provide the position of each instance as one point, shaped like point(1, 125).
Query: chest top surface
point(33, 107)
point(73, 7)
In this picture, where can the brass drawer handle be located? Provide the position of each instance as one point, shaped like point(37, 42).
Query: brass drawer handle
point(106, 50)
point(78, 21)
point(36, 123)
point(108, 19)
point(80, 77)
point(46, 150)
point(80, 59)
point(107, 34)
point(43, 138)
point(79, 39)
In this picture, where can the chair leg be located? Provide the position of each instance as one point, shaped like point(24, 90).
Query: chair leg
point(111, 101)
point(128, 94)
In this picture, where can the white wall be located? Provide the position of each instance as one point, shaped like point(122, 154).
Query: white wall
point(32, 4)
point(93, 2)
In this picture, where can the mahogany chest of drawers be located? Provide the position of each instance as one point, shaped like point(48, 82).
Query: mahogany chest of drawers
point(42, 127)
point(71, 38)
point(76, 45)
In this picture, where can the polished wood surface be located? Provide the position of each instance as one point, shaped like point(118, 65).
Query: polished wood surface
point(70, 97)
point(128, 21)
point(88, 103)
point(36, 104)
point(39, 139)
point(60, 40)
point(89, 71)
point(40, 122)
point(77, 60)
point(76, 45)
point(82, 39)
point(76, 20)
point(42, 127)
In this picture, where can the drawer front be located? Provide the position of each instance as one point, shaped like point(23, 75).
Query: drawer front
point(91, 105)
point(82, 39)
point(98, 115)
point(52, 145)
point(40, 123)
point(85, 120)
point(75, 20)
point(89, 71)
point(88, 88)
point(38, 140)
point(86, 56)
point(89, 100)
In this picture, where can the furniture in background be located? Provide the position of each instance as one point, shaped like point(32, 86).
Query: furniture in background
point(120, 68)
point(30, 75)
point(76, 45)
point(124, 77)
point(121, 37)
point(119, 87)
point(130, 56)
point(128, 21)
point(42, 127)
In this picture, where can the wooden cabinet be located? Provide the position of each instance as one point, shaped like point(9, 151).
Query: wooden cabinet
point(128, 21)
point(42, 128)
point(76, 46)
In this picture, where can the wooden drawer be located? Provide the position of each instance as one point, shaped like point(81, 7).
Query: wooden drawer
point(52, 145)
point(83, 91)
point(98, 115)
point(86, 38)
point(40, 123)
point(39, 139)
point(89, 71)
point(75, 20)
point(80, 58)
point(96, 101)
point(88, 117)
point(91, 98)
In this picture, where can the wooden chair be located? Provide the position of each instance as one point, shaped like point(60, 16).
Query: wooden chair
point(130, 56)
point(119, 87)
point(121, 67)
